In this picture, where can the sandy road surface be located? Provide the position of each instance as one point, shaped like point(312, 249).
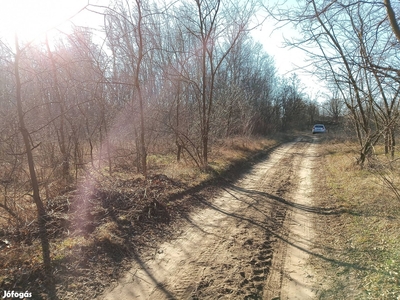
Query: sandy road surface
point(291, 277)
point(250, 242)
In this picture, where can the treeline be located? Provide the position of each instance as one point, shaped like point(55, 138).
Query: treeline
point(154, 79)
point(354, 47)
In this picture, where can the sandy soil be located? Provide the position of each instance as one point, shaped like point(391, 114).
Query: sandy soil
point(291, 277)
point(251, 242)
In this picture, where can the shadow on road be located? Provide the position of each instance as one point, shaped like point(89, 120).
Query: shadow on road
point(268, 197)
point(266, 226)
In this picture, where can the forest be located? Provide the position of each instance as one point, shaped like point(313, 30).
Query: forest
point(177, 78)
point(161, 80)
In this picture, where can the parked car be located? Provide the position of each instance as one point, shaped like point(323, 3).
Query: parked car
point(318, 128)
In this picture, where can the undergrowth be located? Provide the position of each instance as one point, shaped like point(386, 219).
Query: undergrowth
point(98, 226)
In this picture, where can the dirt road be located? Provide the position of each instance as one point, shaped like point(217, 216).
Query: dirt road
point(251, 242)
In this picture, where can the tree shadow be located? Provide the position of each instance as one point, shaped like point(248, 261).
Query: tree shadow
point(258, 195)
point(157, 284)
point(128, 250)
point(266, 226)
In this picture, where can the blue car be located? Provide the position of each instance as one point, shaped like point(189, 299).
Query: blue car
point(318, 128)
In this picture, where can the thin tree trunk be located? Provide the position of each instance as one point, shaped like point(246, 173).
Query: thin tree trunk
point(177, 141)
point(61, 141)
point(387, 141)
point(393, 142)
point(143, 153)
point(41, 211)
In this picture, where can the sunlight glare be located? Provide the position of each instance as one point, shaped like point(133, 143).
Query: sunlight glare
point(32, 18)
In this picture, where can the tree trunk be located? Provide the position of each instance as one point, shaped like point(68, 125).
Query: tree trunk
point(386, 142)
point(143, 153)
point(41, 212)
point(392, 18)
point(393, 143)
point(60, 130)
point(177, 141)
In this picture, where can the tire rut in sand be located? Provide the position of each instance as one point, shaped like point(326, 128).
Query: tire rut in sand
point(255, 270)
point(288, 248)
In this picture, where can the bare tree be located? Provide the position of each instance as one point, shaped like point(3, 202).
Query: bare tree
point(354, 52)
point(126, 31)
point(214, 27)
point(334, 107)
point(41, 211)
point(60, 130)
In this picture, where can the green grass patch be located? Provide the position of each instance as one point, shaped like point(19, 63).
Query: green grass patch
point(62, 248)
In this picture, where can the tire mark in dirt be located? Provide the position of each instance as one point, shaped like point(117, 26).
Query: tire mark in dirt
point(291, 277)
point(298, 282)
point(225, 250)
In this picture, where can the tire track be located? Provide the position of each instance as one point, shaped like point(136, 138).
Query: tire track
point(226, 249)
point(290, 276)
point(298, 277)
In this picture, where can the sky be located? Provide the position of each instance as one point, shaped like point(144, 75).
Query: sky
point(31, 18)
point(288, 60)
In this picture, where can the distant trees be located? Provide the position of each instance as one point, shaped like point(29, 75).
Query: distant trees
point(128, 31)
point(293, 104)
point(335, 108)
point(352, 46)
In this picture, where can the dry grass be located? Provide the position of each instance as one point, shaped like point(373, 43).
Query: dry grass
point(223, 155)
point(362, 244)
point(106, 213)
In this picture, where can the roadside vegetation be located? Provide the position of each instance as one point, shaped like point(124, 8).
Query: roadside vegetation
point(360, 242)
point(98, 226)
point(353, 47)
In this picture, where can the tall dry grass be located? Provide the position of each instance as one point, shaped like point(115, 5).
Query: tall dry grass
point(361, 245)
